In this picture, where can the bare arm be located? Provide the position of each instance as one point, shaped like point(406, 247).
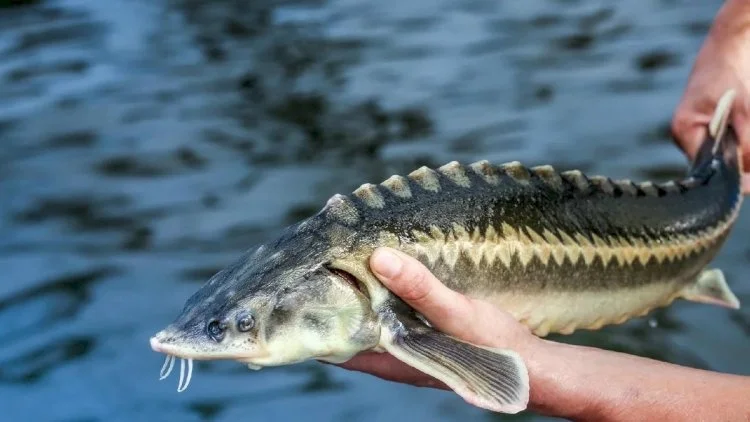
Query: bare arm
point(610, 386)
point(723, 62)
point(574, 382)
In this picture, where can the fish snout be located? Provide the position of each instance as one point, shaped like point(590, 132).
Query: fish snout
point(161, 341)
point(156, 345)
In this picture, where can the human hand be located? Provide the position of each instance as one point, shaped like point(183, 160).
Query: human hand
point(464, 318)
point(723, 62)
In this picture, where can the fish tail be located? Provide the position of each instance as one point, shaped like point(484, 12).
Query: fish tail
point(711, 287)
point(720, 150)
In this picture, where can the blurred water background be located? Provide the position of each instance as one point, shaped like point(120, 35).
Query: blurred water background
point(146, 144)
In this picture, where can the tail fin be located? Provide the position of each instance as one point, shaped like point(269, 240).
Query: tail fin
point(721, 146)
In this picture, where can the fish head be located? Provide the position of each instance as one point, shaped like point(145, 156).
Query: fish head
point(278, 305)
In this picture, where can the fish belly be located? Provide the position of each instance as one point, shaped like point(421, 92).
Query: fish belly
point(565, 312)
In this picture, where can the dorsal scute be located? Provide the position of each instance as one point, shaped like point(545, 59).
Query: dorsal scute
point(516, 171)
point(548, 175)
point(398, 185)
point(426, 178)
point(604, 184)
point(341, 209)
point(456, 173)
point(370, 195)
point(650, 189)
point(627, 186)
point(486, 171)
point(577, 179)
point(670, 187)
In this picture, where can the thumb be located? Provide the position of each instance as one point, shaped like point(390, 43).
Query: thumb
point(742, 126)
point(406, 277)
point(689, 130)
point(689, 126)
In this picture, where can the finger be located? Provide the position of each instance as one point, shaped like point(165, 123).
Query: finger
point(741, 123)
point(407, 278)
point(689, 128)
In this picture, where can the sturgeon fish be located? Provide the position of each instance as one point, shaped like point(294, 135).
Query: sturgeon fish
point(560, 251)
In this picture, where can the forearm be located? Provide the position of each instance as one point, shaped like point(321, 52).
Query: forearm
point(582, 383)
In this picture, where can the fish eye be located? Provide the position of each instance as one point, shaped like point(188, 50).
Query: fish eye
point(216, 330)
point(245, 322)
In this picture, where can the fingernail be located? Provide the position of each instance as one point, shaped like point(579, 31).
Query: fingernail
point(386, 263)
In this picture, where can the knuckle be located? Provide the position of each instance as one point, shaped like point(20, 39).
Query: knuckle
point(676, 124)
point(679, 125)
point(416, 283)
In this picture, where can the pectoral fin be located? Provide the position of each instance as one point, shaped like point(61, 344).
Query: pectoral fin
point(711, 287)
point(492, 379)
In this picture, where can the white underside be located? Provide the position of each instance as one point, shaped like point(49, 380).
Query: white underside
point(565, 312)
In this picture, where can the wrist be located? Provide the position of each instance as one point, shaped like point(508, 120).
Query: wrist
point(559, 382)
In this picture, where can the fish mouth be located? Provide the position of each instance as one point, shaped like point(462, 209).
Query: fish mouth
point(187, 356)
point(173, 352)
point(170, 349)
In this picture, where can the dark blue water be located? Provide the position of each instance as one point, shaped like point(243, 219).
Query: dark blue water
point(145, 145)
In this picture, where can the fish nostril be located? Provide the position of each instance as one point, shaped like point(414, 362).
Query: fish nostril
point(163, 337)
